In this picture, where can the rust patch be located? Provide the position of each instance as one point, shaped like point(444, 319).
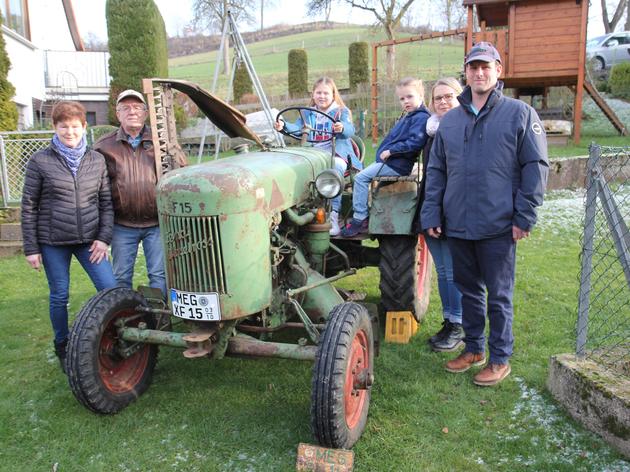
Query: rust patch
point(276, 196)
point(194, 188)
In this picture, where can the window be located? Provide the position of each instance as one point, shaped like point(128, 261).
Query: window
point(15, 16)
point(90, 117)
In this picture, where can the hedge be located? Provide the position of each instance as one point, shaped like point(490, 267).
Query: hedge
point(298, 73)
point(358, 64)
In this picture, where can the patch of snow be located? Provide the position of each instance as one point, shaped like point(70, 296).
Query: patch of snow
point(541, 419)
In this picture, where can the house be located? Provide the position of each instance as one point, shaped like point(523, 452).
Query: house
point(49, 63)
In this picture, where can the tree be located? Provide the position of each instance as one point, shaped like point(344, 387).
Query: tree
point(610, 25)
point(8, 110)
point(137, 46)
point(298, 73)
point(242, 83)
point(453, 13)
point(388, 14)
point(358, 64)
point(212, 15)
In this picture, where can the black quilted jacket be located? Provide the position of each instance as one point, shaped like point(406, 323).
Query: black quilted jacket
point(61, 209)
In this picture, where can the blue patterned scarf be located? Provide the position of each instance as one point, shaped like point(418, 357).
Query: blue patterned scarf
point(72, 156)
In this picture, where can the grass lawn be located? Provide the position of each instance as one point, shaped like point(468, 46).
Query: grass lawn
point(249, 415)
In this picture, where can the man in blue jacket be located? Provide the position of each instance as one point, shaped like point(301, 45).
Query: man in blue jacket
point(486, 176)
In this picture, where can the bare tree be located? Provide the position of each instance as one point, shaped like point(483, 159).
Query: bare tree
point(452, 12)
point(627, 25)
point(315, 7)
point(610, 25)
point(212, 15)
point(387, 13)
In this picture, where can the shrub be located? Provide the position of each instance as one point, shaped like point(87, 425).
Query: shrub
point(8, 110)
point(619, 81)
point(137, 46)
point(242, 83)
point(298, 73)
point(358, 64)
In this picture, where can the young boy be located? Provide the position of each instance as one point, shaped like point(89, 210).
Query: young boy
point(396, 155)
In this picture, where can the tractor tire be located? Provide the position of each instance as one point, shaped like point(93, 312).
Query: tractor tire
point(405, 269)
point(342, 377)
point(99, 377)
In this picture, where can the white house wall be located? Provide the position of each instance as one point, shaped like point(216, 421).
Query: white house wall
point(26, 74)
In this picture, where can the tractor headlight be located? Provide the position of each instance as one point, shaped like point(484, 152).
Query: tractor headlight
point(329, 183)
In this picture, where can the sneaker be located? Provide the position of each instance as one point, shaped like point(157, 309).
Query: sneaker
point(492, 374)
point(354, 228)
point(452, 340)
point(334, 223)
point(441, 333)
point(465, 361)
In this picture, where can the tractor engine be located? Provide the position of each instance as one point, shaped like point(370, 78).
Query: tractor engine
point(229, 226)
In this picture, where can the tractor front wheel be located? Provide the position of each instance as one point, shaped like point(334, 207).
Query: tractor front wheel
point(405, 269)
point(102, 376)
point(342, 377)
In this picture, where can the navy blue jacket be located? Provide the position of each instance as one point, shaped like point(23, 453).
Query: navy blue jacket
point(405, 141)
point(488, 172)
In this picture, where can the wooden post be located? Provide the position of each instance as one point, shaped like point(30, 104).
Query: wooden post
point(579, 90)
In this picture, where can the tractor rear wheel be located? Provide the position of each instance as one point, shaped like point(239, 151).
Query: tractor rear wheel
point(100, 376)
point(342, 377)
point(405, 269)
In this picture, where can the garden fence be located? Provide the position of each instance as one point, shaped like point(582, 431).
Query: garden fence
point(603, 327)
point(16, 148)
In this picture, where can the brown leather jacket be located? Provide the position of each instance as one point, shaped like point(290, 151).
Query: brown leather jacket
point(132, 176)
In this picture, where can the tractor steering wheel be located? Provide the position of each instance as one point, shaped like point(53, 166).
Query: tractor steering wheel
point(312, 135)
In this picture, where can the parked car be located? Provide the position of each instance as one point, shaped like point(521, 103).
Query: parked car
point(605, 51)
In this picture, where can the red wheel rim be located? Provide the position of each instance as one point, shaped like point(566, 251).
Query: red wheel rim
point(422, 261)
point(358, 361)
point(120, 375)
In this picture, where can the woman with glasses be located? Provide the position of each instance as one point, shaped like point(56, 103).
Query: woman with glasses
point(450, 337)
point(67, 211)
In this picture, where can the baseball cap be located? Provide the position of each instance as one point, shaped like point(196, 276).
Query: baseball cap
point(130, 93)
point(483, 51)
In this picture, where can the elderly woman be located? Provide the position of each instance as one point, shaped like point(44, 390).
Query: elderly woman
point(450, 337)
point(66, 211)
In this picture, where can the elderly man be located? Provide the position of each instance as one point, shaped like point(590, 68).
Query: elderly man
point(487, 174)
point(130, 162)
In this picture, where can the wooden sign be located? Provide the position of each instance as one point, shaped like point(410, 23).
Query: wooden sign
point(321, 459)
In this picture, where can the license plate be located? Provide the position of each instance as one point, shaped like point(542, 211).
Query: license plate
point(195, 306)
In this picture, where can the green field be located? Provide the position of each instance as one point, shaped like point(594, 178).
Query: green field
point(327, 55)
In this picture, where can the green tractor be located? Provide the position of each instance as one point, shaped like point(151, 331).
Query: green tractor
point(248, 254)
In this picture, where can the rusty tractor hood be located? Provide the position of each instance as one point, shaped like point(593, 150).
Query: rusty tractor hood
point(227, 118)
point(266, 182)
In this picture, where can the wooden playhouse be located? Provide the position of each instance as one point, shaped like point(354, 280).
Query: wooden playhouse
point(542, 44)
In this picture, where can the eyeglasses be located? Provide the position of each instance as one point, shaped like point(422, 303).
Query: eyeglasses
point(447, 97)
point(128, 108)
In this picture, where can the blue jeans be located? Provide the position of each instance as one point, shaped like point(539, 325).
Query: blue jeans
point(361, 187)
point(486, 265)
point(56, 261)
point(450, 296)
point(341, 167)
point(125, 244)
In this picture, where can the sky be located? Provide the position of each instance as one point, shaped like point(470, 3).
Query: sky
point(177, 13)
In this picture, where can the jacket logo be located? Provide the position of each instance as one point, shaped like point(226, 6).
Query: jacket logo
point(536, 128)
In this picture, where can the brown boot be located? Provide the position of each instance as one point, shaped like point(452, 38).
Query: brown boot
point(492, 374)
point(465, 361)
